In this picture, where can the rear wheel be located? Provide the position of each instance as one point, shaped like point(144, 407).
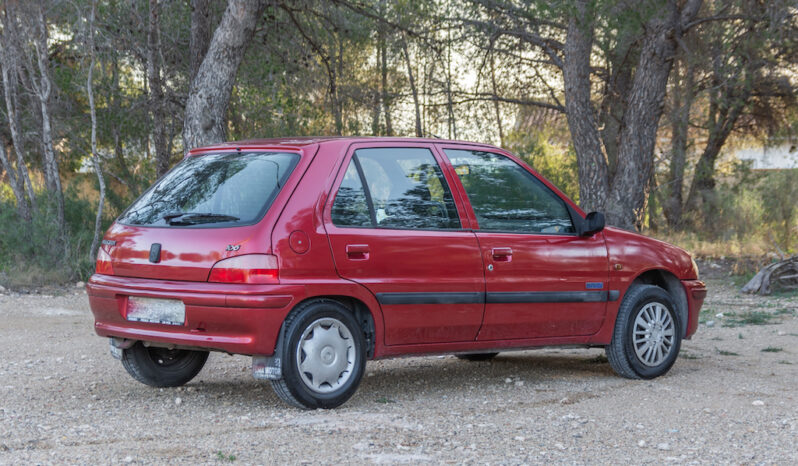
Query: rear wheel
point(477, 356)
point(647, 334)
point(162, 367)
point(324, 356)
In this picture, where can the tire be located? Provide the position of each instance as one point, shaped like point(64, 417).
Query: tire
point(323, 358)
point(161, 367)
point(648, 313)
point(477, 356)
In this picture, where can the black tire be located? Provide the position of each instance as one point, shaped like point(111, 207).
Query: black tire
point(345, 354)
point(477, 356)
point(161, 367)
point(623, 353)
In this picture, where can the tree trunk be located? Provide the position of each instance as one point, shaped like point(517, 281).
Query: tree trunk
point(200, 34)
point(386, 101)
point(683, 95)
point(591, 162)
point(156, 101)
point(20, 182)
point(95, 156)
point(413, 88)
point(206, 107)
point(496, 104)
point(43, 90)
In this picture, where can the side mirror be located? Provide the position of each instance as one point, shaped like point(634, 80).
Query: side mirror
point(593, 223)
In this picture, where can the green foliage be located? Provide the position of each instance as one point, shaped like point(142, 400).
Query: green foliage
point(550, 159)
point(779, 192)
point(33, 254)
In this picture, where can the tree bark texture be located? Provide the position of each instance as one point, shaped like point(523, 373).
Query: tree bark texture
point(205, 119)
point(200, 37)
point(623, 195)
point(591, 161)
point(156, 100)
point(683, 93)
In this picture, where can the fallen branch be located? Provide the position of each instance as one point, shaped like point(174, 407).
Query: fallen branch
point(782, 275)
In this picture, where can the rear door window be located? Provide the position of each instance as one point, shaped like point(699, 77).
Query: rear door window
point(213, 190)
point(405, 189)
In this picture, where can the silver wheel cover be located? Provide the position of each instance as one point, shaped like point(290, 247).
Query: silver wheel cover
point(653, 334)
point(325, 355)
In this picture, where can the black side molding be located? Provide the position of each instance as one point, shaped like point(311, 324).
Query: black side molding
point(430, 298)
point(500, 297)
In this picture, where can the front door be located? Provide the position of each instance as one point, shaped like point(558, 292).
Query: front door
point(394, 227)
point(542, 280)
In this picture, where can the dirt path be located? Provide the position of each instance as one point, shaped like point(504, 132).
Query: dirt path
point(731, 397)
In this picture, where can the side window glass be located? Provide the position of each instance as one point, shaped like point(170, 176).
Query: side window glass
point(350, 207)
point(408, 189)
point(506, 197)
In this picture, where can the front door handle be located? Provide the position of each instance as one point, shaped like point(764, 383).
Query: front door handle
point(357, 252)
point(502, 254)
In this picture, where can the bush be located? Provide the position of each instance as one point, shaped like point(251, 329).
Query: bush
point(33, 253)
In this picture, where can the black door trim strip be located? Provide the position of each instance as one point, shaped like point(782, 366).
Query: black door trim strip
point(500, 297)
point(430, 298)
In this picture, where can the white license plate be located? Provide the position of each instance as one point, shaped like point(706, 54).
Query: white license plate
point(159, 311)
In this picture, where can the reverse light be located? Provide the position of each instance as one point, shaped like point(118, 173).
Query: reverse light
point(103, 265)
point(249, 268)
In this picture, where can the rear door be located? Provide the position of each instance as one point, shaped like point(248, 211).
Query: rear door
point(542, 280)
point(395, 226)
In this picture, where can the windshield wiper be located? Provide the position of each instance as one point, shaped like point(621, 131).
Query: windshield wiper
point(194, 218)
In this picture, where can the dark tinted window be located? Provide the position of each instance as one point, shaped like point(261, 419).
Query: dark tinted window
point(506, 197)
point(214, 189)
point(406, 189)
point(350, 207)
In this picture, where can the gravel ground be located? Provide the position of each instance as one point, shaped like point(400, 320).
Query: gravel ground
point(730, 398)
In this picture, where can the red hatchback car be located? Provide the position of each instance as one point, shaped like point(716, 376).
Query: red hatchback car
point(314, 255)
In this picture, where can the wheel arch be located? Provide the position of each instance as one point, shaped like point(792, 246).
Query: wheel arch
point(673, 286)
point(359, 310)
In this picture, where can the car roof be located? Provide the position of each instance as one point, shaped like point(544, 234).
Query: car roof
point(299, 142)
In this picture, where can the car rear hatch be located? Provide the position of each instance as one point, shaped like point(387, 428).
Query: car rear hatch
point(204, 210)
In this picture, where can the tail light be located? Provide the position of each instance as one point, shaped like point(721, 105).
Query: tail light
point(103, 265)
point(249, 268)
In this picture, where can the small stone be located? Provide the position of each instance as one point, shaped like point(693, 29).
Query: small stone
point(559, 446)
point(758, 403)
point(780, 333)
point(663, 446)
point(710, 323)
point(641, 443)
point(178, 401)
point(520, 438)
point(2, 289)
point(508, 380)
point(79, 285)
point(519, 383)
point(128, 459)
point(719, 315)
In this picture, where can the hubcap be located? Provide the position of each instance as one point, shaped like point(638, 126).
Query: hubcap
point(326, 355)
point(653, 334)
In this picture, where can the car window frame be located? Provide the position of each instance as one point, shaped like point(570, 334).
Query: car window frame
point(575, 213)
point(462, 213)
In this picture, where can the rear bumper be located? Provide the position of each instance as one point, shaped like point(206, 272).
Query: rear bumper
point(241, 319)
point(696, 291)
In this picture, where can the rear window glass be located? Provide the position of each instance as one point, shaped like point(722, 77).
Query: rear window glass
point(214, 190)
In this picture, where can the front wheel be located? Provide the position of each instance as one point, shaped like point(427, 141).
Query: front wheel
point(162, 367)
point(647, 334)
point(324, 356)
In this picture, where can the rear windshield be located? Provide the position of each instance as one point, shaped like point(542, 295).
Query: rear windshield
point(213, 190)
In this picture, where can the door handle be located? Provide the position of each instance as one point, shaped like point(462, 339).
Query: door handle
point(502, 254)
point(357, 252)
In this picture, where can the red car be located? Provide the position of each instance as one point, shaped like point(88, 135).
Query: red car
point(313, 255)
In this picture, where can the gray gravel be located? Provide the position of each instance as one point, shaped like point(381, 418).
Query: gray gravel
point(63, 399)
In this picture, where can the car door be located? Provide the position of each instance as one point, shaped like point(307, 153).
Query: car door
point(542, 279)
point(395, 227)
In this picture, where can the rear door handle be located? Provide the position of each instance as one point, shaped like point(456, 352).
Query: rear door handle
point(502, 254)
point(357, 252)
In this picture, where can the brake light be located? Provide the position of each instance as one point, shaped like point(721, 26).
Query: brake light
point(103, 265)
point(249, 268)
